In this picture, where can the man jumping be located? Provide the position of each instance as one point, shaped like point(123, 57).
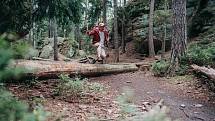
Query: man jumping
point(100, 39)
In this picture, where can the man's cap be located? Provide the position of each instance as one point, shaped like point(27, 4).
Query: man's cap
point(101, 24)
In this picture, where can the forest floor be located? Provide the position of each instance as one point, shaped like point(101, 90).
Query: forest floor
point(186, 97)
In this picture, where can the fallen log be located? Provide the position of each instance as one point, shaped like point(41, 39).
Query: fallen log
point(52, 69)
point(209, 72)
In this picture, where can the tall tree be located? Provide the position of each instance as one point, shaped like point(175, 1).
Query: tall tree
point(151, 41)
point(165, 30)
point(104, 11)
point(58, 11)
point(55, 39)
point(179, 34)
point(116, 41)
point(123, 27)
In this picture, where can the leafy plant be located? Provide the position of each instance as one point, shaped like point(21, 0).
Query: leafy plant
point(75, 87)
point(13, 110)
point(200, 54)
point(20, 49)
point(6, 54)
point(160, 67)
point(70, 87)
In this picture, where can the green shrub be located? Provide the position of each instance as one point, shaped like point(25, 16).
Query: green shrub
point(75, 87)
point(10, 108)
point(21, 48)
point(159, 68)
point(13, 110)
point(199, 54)
point(70, 87)
point(6, 54)
point(182, 70)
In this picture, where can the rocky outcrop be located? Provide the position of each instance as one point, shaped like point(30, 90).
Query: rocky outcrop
point(137, 27)
point(46, 51)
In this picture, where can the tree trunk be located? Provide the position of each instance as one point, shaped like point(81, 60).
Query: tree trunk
point(105, 12)
point(50, 69)
point(50, 28)
point(77, 36)
point(164, 43)
point(30, 36)
point(116, 41)
point(55, 39)
point(179, 34)
point(123, 28)
point(151, 42)
point(164, 39)
point(86, 14)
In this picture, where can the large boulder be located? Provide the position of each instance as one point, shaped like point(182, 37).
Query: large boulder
point(47, 52)
point(31, 53)
point(47, 46)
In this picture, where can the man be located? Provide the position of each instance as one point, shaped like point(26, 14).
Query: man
point(100, 39)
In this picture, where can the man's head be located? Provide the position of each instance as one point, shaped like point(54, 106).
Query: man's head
point(101, 26)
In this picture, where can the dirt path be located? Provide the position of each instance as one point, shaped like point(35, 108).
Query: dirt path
point(185, 101)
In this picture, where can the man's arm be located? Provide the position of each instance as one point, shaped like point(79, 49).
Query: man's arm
point(90, 32)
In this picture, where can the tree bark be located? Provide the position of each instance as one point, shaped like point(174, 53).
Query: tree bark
point(77, 36)
point(164, 43)
point(86, 14)
point(116, 41)
point(179, 34)
point(55, 40)
point(123, 28)
point(50, 69)
point(151, 41)
point(164, 39)
point(105, 12)
point(50, 29)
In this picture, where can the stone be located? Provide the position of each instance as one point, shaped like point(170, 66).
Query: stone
point(198, 105)
point(31, 53)
point(183, 105)
point(47, 52)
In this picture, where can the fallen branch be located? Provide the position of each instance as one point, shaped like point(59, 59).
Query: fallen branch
point(52, 69)
point(209, 72)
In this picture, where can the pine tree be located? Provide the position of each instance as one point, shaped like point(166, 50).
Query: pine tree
point(116, 42)
point(179, 34)
point(151, 41)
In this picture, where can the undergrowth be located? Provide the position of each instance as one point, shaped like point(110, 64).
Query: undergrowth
point(76, 87)
point(160, 68)
point(13, 110)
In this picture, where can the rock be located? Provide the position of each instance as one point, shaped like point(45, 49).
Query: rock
point(46, 41)
point(47, 52)
point(146, 103)
point(48, 44)
point(183, 105)
point(198, 105)
point(31, 53)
